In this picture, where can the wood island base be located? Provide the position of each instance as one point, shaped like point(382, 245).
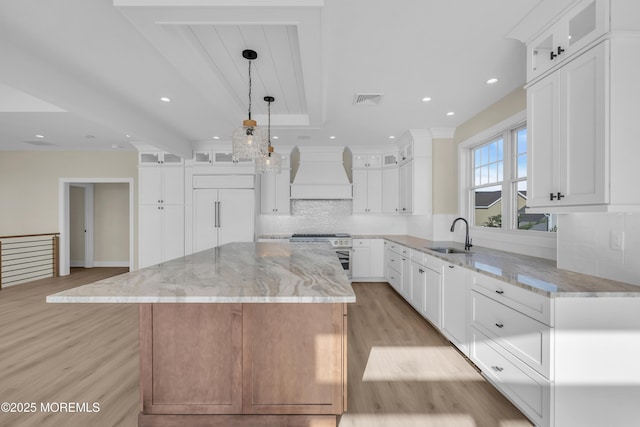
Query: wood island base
point(237, 420)
point(258, 365)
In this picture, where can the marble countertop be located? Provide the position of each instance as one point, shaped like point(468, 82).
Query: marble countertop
point(266, 272)
point(538, 275)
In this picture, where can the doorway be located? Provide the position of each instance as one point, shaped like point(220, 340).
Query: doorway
point(85, 187)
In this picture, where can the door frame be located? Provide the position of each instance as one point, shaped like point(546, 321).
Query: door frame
point(64, 222)
point(88, 224)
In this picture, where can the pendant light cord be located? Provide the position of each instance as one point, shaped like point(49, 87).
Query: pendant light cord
point(269, 127)
point(249, 89)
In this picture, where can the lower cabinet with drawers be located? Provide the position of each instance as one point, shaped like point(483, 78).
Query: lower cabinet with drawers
point(512, 348)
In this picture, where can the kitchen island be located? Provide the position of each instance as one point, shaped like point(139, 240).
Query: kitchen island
point(242, 334)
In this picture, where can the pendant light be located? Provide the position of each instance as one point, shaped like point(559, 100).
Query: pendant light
point(249, 141)
point(271, 162)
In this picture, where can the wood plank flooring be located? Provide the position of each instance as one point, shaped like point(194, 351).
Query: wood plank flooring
point(401, 371)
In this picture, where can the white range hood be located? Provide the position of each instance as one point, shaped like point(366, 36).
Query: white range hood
point(321, 175)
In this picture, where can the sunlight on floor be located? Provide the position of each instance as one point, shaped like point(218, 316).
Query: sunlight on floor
point(417, 364)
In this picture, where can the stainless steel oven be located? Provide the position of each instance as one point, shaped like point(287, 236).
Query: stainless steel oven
point(342, 243)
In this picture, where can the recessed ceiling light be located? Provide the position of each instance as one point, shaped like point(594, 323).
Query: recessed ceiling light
point(492, 81)
point(216, 137)
point(115, 146)
point(165, 99)
point(392, 137)
point(275, 137)
point(426, 99)
point(127, 135)
point(332, 137)
point(450, 113)
point(39, 136)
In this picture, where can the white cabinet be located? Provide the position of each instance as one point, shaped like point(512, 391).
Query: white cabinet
point(393, 265)
point(368, 259)
point(426, 286)
point(511, 342)
point(217, 158)
point(582, 25)
point(275, 190)
point(568, 133)
point(582, 114)
point(390, 190)
point(367, 190)
point(361, 161)
point(160, 208)
point(222, 216)
point(406, 187)
point(390, 160)
point(367, 183)
point(455, 323)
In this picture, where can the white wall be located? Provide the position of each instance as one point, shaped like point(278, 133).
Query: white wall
point(585, 245)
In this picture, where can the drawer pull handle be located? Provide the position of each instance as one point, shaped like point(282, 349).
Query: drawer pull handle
point(497, 368)
point(499, 292)
point(500, 325)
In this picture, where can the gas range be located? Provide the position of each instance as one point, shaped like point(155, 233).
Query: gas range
point(337, 240)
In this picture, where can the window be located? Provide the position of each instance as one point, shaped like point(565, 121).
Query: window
point(498, 188)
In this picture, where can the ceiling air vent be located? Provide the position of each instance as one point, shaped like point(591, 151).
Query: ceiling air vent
point(367, 99)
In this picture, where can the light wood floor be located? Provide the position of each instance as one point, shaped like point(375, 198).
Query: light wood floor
point(401, 371)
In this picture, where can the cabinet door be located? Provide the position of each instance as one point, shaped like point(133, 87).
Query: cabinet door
point(542, 129)
point(454, 306)
point(390, 188)
point(173, 185)
point(376, 261)
point(293, 358)
point(283, 192)
point(418, 287)
point(406, 277)
point(432, 300)
point(150, 235)
point(192, 358)
point(360, 191)
point(583, 132)
point(150, 185)
point(406, 187)
point(374, 190)
point(268, 193)
point(361, 261)
point(205, 231)
point(172, 232)
point(236, 220)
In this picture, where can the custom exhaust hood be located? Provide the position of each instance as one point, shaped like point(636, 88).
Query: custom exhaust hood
point(321, 175)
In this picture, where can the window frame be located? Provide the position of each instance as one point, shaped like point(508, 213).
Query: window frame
point(506, 130)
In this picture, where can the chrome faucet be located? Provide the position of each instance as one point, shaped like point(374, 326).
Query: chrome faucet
point(467, 240)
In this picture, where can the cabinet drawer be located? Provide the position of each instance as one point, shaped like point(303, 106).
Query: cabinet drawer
point(394, 260)
point(418, 257)
point(527, 390)
point(524, 337)
point(529, 303)
point(432, 262)
point(361, 243)
point(395, 279)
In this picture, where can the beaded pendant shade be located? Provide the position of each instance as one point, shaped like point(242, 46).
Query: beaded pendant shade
point(249, 141)
point(270, 162)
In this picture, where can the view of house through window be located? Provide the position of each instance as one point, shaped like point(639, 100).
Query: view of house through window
point(499, 184)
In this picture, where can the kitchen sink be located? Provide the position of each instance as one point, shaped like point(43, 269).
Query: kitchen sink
point(449, 250)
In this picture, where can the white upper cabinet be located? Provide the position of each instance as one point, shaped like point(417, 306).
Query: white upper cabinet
point(367, 161)
point(567, 127)
point(275, 190)
point(367, 190)
point(582, 115)
point(582, 25)
point(390, 190)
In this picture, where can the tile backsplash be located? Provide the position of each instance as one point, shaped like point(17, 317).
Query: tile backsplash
point(601, 244)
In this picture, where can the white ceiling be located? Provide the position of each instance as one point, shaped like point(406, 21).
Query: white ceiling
point(84, 74)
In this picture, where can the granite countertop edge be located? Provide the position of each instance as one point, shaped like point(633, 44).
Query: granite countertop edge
point(569, 284)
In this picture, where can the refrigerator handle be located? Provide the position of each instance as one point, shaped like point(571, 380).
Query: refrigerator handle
point(215, 214)
point(218, 214)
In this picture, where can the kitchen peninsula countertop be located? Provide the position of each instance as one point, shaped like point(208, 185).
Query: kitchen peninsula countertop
point(538, 275)
point(232, 273)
